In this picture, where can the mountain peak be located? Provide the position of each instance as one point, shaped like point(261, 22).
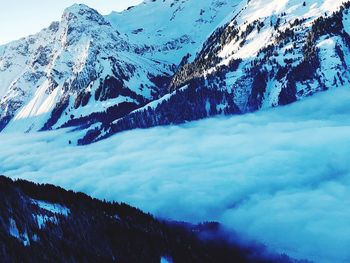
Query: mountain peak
point(83, 12)
point(79, 20)
point(78, 8)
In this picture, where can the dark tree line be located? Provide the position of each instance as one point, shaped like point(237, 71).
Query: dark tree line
point(199, 100)
point(97, 231)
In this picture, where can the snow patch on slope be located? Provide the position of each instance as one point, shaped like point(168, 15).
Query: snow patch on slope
point(54, 209)
point(161, 21)
point(51, 207)
point(14, 232)
point(42, 220)
point(166, 260)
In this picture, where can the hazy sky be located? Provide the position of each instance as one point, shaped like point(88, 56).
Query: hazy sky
point(20, 18)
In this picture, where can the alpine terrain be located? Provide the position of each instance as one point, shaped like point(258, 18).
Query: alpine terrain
point(231, 111)
point(113, 73)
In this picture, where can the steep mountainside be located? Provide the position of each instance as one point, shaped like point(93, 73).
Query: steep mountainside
point(281, 51)
point(88, 68)
point(76, 67)
point(43, 223)
point(169, 30)
point(270, 53)
point(170, 61)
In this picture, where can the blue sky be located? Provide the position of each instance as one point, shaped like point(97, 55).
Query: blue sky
point(20, 18)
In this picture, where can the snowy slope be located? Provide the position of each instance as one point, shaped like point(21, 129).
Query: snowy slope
point(90, 69)
point(286, 50)
point(59, 71)
point(167, 61)
point(168, 30)
point(265, 54)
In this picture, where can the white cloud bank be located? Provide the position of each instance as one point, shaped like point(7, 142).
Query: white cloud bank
point(280, 176)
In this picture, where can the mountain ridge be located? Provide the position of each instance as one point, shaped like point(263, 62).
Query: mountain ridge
point(306, 54)
point(112, 76)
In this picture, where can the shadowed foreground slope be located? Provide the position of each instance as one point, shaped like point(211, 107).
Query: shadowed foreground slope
point(44, 223)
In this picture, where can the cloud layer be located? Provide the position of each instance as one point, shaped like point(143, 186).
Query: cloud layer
point(280, 176)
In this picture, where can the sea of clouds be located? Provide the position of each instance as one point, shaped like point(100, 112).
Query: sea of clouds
point(280, 176)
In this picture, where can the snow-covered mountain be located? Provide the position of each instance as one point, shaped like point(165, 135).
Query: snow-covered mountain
point(171, 61)
point(169, 30)
point(275, 52)
point(269, 53)
point(76, 67)
point(88, 68)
